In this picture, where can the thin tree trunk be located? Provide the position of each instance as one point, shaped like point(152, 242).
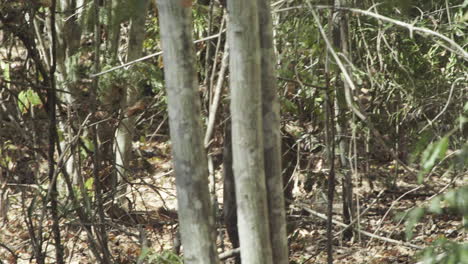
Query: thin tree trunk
point(229, 194)
point(272, 137)
point(330, 142)
point(245, 82)
point(113, 30)
point(126, 128)
point(340, 40)
point(101, 232)
point(190, 164)
point(68, 44)
point(51, 101)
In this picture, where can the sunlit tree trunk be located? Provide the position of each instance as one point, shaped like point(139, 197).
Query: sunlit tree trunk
point(272, 137)
point(248, 165)
point(115, 12)
point(126, 128)
point(68, 50)
point(197, 224)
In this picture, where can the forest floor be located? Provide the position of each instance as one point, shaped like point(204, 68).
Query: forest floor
point(153, 221)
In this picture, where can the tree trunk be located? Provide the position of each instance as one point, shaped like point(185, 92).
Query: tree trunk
point(68, 44)
point(229, 192)
point(272, 137)
point(248, 164)
point(126, 128)
point(340, 40)
point(190, 164)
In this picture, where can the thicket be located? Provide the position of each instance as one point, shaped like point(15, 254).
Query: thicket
point(410, 85)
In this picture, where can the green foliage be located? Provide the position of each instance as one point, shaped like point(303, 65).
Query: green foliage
point(166, 257)
point(89, 184)
point(151, 42)
point(139, 78)
point(422, 141)
point(288, 106)
point(454, 201)
point(454, 253)
point(433, 152)
point(88, 143)
point(443, 250)
point(414, 216)
point(28, 99)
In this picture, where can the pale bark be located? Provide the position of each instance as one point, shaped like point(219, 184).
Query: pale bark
point(272, 138)
point(68, 44)
point(245, 82)
point(197, 225)
point(113, 29)
point(126, 128)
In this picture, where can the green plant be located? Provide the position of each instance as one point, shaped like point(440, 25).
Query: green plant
point(28, 99)
point(454, 201)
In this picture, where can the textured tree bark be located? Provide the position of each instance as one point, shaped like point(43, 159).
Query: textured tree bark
point(248, 164)
point(126, 128)
point(68, 44)
point(229, 194)
point(272, 137)
point(197, 225)
point(340, 40)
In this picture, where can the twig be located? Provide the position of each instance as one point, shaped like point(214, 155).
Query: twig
point(445, 107)
point(336, 222)
point(361, 214)
point(147, 57)
point(217, 96)
point(347, 77)
point(302, 83)
point(349, 100)
point(411, 28)
point(9, 250)
point(391, 207)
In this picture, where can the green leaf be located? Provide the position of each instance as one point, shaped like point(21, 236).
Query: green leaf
point(433, 152)
point(413, 218)
point(144, 253)
point(33, 98)
point(88, 143)
point(434, 206)
point(23, 103)
point(27, 99)
point(89, 184)
point(289, 106)
point(463, 120)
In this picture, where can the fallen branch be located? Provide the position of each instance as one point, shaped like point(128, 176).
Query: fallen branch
point(338, 223)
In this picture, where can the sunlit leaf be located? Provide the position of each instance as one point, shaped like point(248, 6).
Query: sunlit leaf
point(89, 184)
point(434, 206)
point(413, 218)
point(433, 152)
